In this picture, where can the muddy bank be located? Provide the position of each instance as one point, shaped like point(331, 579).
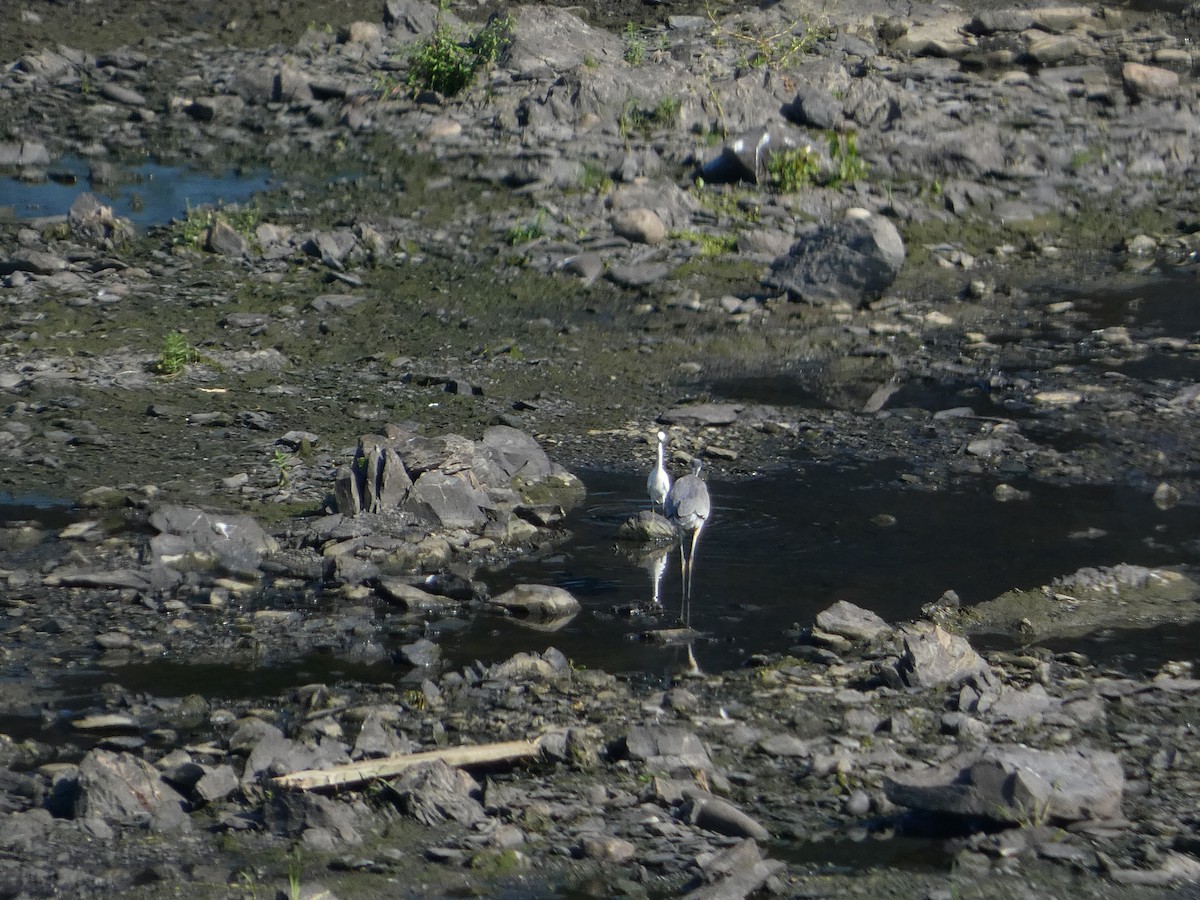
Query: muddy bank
point(964, 240)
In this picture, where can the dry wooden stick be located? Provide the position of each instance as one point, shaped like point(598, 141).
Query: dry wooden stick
point(353, 774)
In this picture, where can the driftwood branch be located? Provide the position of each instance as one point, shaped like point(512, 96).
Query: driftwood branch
point(353, 774)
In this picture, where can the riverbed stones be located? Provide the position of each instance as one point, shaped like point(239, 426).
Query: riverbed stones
point(976, 144)
point(449, 481)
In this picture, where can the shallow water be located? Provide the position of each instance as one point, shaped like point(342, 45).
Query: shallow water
point(1164, 306)
point(150, 194)
point(777, 551)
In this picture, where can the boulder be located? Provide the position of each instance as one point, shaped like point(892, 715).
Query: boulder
point(640, 225)
point(434, 792)
point(93, 222)
point(855, 260)
point(850, 621)
point(121, 789)
point(538, 601)
point(193, 537)
point(1016, 784)
point(517, 453)
point(666, 748)
point(933, 657)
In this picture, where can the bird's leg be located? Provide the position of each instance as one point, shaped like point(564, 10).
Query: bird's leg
point(692, 562)
point(683, 570)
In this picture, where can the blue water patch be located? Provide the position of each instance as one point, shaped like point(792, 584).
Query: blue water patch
point(149, 194)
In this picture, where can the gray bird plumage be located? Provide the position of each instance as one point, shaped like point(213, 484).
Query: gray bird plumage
point(688, 504)
point(688, 507)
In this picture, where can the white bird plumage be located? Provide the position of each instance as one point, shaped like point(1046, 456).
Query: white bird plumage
point(658, 484)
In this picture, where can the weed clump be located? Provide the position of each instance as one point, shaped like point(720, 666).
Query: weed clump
point(793, 168)
point(444, 64)
point(176, 354)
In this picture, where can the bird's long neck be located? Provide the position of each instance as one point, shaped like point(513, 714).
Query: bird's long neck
point(660, 454)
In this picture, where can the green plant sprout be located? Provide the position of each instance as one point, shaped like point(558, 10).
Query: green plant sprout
point(175, 355)
point(635, 45)
point(283, 467)
point(792, 169)
point(530, 231)
point(843, 148)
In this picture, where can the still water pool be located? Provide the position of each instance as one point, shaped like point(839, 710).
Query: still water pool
point(149, 194)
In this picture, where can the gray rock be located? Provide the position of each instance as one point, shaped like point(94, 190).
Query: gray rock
point(815, 107)
point(702, 414)
point(154, 578)
point(423, 653)
point(333, 248)
point(991, 21)
point(121, 94)
point(434, 792)
point(518, 454)
point(851, 621)
point(1149, 82)
point(448, 500)
point(293, 814)
point(39, 262)
point(394, 590)
point(640, 225)
point(23, 831)
point(646, 527)
point(539, 601)
point(786, 745)
point(855, 260)
point(606, 848)
point(1017, 705)
point(634, 275)
point(93, 222)
point(190, 537)
point(217, 783)
point(934, 657)
point(666, 747)
point(273, 755)
point(713, 814)
point(973, 152)
point(1017, 784)
point(23, 154)
point(376, 737)
point(556, 40)
point(732, 874)
point(249, 732)
point(224, 239)
point(411, 19)
point(122, 789)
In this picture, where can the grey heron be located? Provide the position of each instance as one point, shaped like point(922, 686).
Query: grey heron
point(659, 481)
point(687, 507)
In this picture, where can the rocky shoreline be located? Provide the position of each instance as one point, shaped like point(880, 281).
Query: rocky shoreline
point(298, 427)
